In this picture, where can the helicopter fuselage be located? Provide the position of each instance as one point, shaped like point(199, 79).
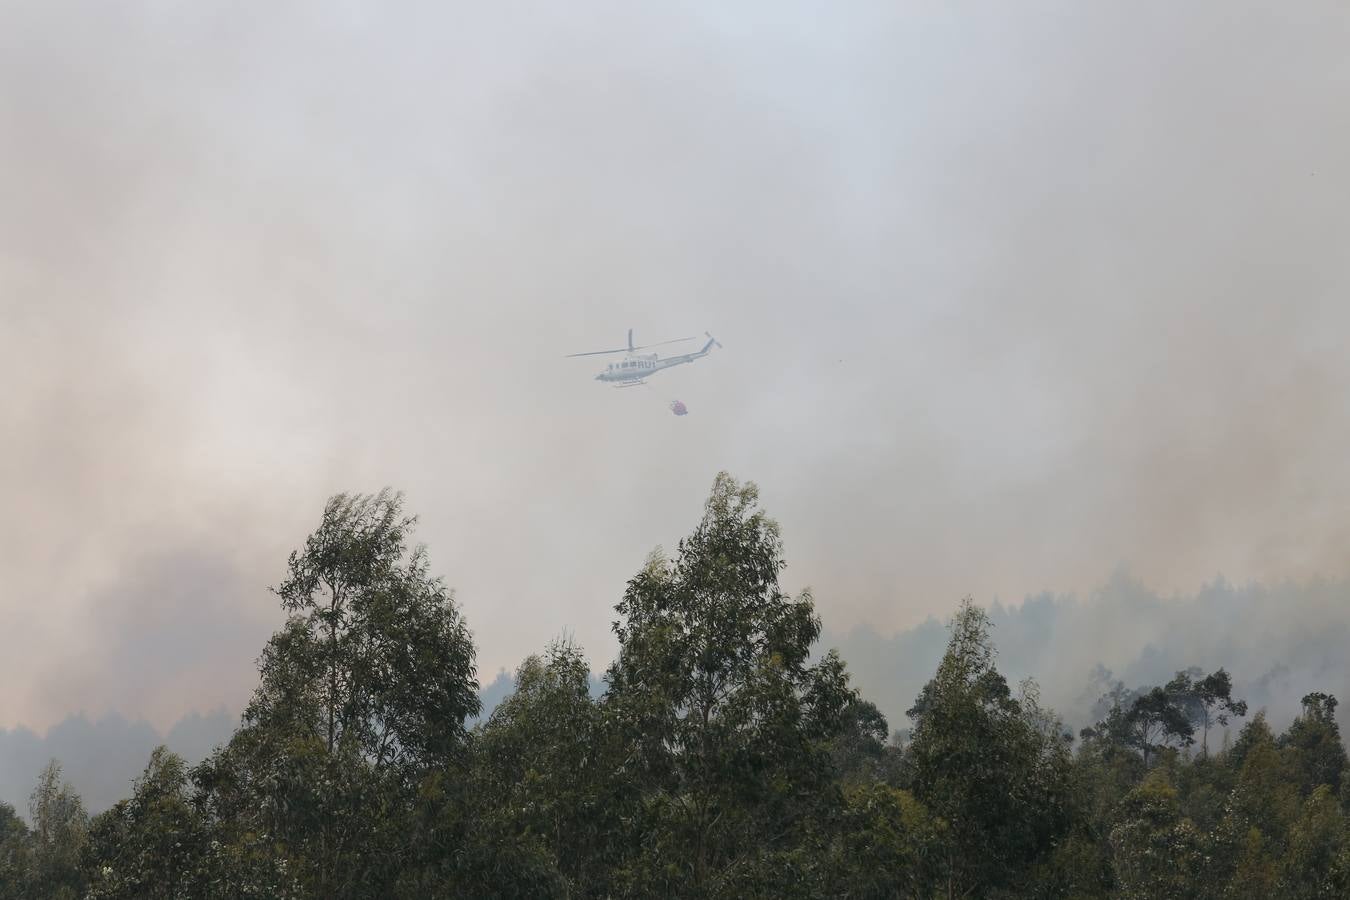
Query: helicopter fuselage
point(637, 367)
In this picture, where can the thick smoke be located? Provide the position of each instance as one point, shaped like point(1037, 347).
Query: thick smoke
point(1008, 297)
point(1279, 642)
point(101, 758)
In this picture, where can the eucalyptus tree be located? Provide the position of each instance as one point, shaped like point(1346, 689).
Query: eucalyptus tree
point(1313, 745)
point(993, 769)
point(153, 844)
point(15, 850)
point(59, 828)
point(1206, 700)
point(1157, 852)
point(722, 719)
point(363, 695)
point(543, 776)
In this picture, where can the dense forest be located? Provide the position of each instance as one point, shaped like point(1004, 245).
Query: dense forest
point(725, 757)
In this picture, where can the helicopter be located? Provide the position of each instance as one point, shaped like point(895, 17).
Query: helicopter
point(637, 367)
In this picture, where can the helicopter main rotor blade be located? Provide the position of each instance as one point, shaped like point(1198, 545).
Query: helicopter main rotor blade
point(629, 349)
point(663, 343)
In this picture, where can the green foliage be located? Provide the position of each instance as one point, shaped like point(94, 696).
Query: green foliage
point(1158, 852)
point(1154, 719)
point(1208, 701)
point(860, 753)
point(1204, 787)
point(1158, 719)
point(1313, 746)
point(1319, 850)
point(363, 695)
point(376, 660)
point(541, 765)
point(723, 760)
point(886, 845)
point(15, 859)
point(59, 830)
point(992, 769)
point(722, 722)
point(153, 845)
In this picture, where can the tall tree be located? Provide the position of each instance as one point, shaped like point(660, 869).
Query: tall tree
point(1207, 700)
point(1158, 852)
point(59, 829)
point(722, 717)
point(1158, 719)
point(1318, 862)
point(861, 753)
point(1252, 837)
point(542, 766)
point(1313, 745)
point(994, 772)
point(885, 845)
point(363, 694)
point(376, 650)
point(14, 853)
point(152, 845)
point(1150, 719)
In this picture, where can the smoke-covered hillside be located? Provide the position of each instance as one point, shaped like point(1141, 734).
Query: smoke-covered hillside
point(102, 756)
point(1277, 641)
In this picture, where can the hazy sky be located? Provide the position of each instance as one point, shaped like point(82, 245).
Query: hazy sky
point(1010, 294)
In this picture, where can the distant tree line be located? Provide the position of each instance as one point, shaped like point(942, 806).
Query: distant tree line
point(721, 761)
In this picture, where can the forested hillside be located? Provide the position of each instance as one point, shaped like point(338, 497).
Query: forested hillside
point(725, 756)
point(1279, 640)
